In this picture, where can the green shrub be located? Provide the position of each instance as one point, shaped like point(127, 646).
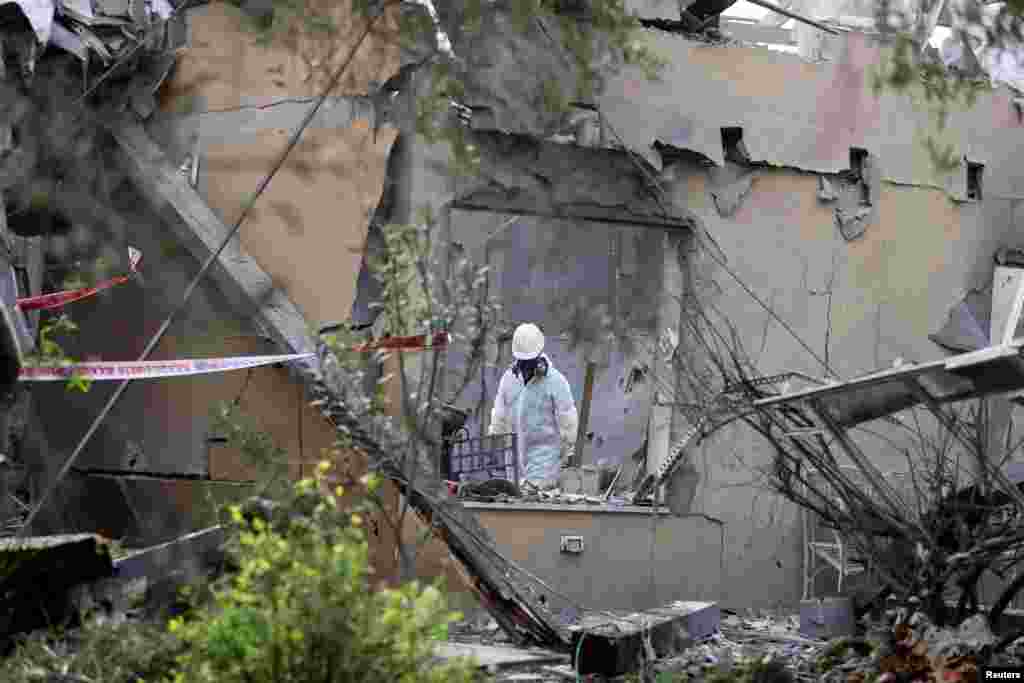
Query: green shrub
point(96, 652)
point(300, 609)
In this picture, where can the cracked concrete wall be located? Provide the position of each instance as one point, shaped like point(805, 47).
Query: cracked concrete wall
point(239, 101)
point(811, 123)
point(904, 258)
point(917, 249)
point(889, 290)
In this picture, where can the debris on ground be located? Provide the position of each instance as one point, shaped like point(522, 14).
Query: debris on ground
point(906, 645)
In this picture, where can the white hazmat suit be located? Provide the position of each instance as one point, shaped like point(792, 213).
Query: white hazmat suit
point(543, 415)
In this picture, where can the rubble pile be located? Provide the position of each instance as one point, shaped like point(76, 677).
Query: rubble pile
point(906, 646)
point(113, 40)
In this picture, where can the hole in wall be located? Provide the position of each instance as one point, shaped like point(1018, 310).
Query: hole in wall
point(733, 148)
point(858, 160)
point(975, 174)
point(858, 171)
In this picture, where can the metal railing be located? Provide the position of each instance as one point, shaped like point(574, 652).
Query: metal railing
point(482, 458)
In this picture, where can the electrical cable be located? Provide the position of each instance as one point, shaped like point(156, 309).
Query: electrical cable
point(194, 284)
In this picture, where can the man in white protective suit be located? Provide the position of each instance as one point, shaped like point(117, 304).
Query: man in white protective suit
point(534, 401)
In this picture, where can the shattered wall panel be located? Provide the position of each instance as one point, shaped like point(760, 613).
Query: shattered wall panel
point(163, 426)
point(308, 229)
point(224, 67)
point(794, 113)
point(890, 289)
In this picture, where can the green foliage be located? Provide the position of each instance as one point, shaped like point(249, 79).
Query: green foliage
point(838, 651)
point(97, 652)
point(405, 297)
point(300, 609)
point(256, 446)
point(931, 88)
point(50, 352)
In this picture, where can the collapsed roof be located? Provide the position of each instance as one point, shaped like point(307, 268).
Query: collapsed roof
point(112, 39)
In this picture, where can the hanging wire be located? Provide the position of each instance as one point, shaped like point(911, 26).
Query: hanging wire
point(194, 284)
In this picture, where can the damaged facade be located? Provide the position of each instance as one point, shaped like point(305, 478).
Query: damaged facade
point(815, 196)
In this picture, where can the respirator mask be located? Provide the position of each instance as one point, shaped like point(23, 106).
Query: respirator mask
point(528, 369)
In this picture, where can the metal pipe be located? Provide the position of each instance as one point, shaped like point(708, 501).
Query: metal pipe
point(588, 394)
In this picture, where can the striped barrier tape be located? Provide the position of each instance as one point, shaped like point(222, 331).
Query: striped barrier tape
point(59, 299)
point(151, 369)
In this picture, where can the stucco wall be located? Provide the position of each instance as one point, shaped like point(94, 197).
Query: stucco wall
point(892, 287)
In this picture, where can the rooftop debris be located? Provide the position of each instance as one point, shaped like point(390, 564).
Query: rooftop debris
point(97, 31)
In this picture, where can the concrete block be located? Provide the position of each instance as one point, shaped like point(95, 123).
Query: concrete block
point(611, 646)
point(827, 618)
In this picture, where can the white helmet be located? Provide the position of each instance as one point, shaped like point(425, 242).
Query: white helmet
point(527, 342)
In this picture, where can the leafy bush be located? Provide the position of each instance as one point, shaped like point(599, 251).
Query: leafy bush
point(300, 608)
point(124, 653)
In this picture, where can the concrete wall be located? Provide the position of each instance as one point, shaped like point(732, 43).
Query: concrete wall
point(630, 560)
point(862, 304)
point(920, 252)
point(235, 103)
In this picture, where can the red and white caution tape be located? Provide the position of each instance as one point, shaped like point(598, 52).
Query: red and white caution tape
point(151, 369)
point(58, 299)
point(414, 343)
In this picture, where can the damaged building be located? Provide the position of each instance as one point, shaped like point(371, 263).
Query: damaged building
point(770, 184)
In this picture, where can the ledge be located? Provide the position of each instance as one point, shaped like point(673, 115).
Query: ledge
point(567, 507)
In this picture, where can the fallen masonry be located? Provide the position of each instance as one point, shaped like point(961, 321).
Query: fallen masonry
point(38, 576)
point(613, 643)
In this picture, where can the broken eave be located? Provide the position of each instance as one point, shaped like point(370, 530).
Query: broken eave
point(991, 371)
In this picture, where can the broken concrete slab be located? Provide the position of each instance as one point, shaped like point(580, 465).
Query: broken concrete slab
point(729, 198)
point(523, 176)
point(490, 656)
point(654, 9)
point(38, 573)
point(826, 193)
point(852, 223)
point(614, 643)
point(967, 326)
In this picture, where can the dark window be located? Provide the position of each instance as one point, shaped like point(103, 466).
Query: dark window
point(858, 164)
point(858, 159)
point(733, 148)
point(974, 180)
